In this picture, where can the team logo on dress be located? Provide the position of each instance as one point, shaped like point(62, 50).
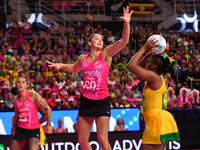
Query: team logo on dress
point(26, 104)
point(97, 65)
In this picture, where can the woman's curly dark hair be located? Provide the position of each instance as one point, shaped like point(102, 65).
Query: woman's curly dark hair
point(162, 63)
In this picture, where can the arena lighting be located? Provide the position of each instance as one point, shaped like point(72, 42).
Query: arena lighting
point(187, 19)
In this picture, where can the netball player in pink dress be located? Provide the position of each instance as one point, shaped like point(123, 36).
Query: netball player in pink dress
point(26, 123)
point(95, 102)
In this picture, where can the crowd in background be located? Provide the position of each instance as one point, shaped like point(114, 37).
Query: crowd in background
point(81, 7)
point(23, 55)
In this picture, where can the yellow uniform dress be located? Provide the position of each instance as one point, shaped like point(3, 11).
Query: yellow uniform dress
point(43, 140)
point(160, 125)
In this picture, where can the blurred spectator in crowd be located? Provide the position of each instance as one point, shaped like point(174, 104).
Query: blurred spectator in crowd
point(71, 103)
point(25, 45)
point(130, 99)
point(25, 27)
point(70, 39)
point(20, 40)
point(1, 38)
point(79, 76)
point(196, 78)
point(123, 103)
point(110, 90)
point(186, 85)
point(52, 30)
point(11, 83)
point(53, 85)
point(123, 91)
point(32, 76)
point(78, 87)
point(60, 129)
point(63, 39)
point(79, 28)
point(172, 99)
point(4, 92)
point(135, 79)
point(111, 80)
point(73, 81)
point(77, 99)
point(138, 27)
point(58, 105)
point(60, 92)
point(138, 104)
point(194, 98)
point(117, 85)
point(82, 38)
point(120, 125)
point(2, 106)
point(105, 34)
point(13, 42)
point(1, 83)
point(9, 102)
point(114, 103)
point(65, 99)
point(68, 83)
point(60, 81)
point(98, 29)
point(183, 98)
point(118, 95)
point(71, 91)
point(61, 29)
point(15, 26)
point(114, 63)
point(70, 28)
point(170, 81)
point(4, 75)
point(129, 83)
point(6, 46)
point(45, 92)
point(124, 63)
point(52, 101)
point(111, 38)
point(189, 71)
point(137, 93)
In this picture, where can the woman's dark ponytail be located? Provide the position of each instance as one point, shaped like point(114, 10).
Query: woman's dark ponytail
point(91, 29)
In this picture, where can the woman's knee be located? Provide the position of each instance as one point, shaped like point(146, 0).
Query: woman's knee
point(82, 140)
point(103, 140)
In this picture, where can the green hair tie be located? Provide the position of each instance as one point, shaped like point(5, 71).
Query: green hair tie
point(32, 87)
point(165, 56)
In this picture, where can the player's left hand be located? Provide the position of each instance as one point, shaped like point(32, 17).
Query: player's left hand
point(126, 15)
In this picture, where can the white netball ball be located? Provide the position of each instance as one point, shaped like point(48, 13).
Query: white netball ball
point(161, 41)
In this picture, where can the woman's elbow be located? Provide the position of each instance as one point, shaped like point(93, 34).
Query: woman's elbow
point(131, 68)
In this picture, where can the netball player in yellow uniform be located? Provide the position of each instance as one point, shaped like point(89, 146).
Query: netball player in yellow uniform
point(160, 125)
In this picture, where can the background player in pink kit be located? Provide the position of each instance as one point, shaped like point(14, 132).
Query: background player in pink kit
point(26, 123)
point(95, 102)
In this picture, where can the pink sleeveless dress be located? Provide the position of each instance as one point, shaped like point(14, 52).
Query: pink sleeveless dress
point(95, 78)
point(28, 116)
